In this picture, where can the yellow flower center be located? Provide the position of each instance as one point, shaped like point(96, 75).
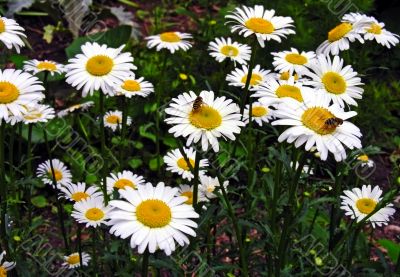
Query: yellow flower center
point(94, 214)
point(170, 37)
point(47, 66)
point(210, 188)
point(8, 92)
point(2, 29)
point(334, 83)
point(230, 51)
point(254, 80)
point(122, 183)
point(113, 119)
point(57, 174)
point(259, 111)
point(285, 76)
point(189, 195)
point(374, 29)
point(79, 196)
point(205, 118)
point(131, 85)
point(363, 158)
point(296, 59)
point(259, 25)
point(3, 271)
point(315, 119)
point(182, 164)
point(366, 205)
point(153, 213)
point(99, 65)
point(289, 91)
point(339, 31)
point(73, 259)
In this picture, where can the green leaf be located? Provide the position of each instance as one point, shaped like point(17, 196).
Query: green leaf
point(135, 163)
point(144, 133)
point(48, 33)
point(18, 60)
point(392, 248)
point(39, 201)
point(90, 179)
point(153, 163)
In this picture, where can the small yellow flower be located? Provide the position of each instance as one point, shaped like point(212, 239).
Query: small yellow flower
point(318, 261)
point(183, 76)
point(212, 22)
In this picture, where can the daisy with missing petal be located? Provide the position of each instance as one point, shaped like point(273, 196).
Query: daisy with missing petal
point(340, 83)
point(208, 185)
point(313, 122)
point(358, 203)
point(292, 61)
point(131, 86)
point(36, 66)
point(17, 90)
point(5, 266)
point(122, 180)
point(78, 192)
point(365, 161)
point(91, 212)
point(216, 117)
point(98, 67)
point(222, 49)
point(62, 175)
point(11, 33)
point(153, 217)
point(262, 23)
point(173, 41)
point(376, 31)
point(113, 120)
point(176, 162)
point(77, 107)
point(260, 112)
point(286, 76)
point(238, 77)
point(73, 260)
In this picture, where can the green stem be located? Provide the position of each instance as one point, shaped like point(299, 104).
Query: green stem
point(103, 147)
point(94, 254)
point(334, 211)
point(145, 263)
point(352, 246)
point(196, 179)
point(276, 193)
point(3, 190)
point(249, 74)
point(29, 173)
point(79, 234)
point(123, 131)
point(81, 126)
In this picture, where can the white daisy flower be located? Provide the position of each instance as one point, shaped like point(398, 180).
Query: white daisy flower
point(262, 23)
point(78, 192)
point(208, 185)
point(187, 191)
point(358, 203)
point(37, 113)
point(5, 266)
point(36, 66)
point(77, 107)
point(376, 31)
point(113, 120)
point(285, 76)
point(238, 77)
point(11, 33)
point(91, 212)
point(340, 83)
point(153, 217)
point(176, 162)
point(292, 61)
point(73, 260)
point(131, 86)
point(173, 41)
point(98, 67)
point(122, 180)
point(62, 175)
point(222, 49)
point(260, 112)
point(365, 160)
point(17, 90)
point(315, 122)
point(216, 117)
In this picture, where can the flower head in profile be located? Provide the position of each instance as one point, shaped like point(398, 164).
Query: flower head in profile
point(76, 107)
point(377, 31)
point(238, 77)
point(62, 175)
point(5, 266)
point(132, 86)
point(124, 179)
point(293, 61)
point(187, 191)
point(260, 112)
point(38, 113)
point(359, 203)
point(36, 66)
point(11, 33)
point(260, 22)
point(153, 217)
point(222, 49)
point(91, 212)
point(364, 160)
point(98, 67)
point(73, 260)
point(216, 117)
point(79, 192)
point(173, 41)
point(113, 120)
point(209, 185)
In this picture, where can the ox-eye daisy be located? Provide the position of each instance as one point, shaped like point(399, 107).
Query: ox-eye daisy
point(260, 112)
point(11, 33)
point(216, 117)
point(36, 66)
point(113, 120)
point(172, 41)
point(91, 212)
point(17, 90)
point(38, 113)
point(340, 83)
point(222, 49)
point(238, 77)
point(98, 67)
point(5, 266)
point(77, 107)
point(62, 175)
point(73, 260)
point(359, 203)
point(176, 162)
point(376, 31)
point(154, 218)
point(364, 160)
point(292, 61)
point(310, 126)
point(187, 191)
point(124, 179)
point(208, 185)
point(262, 23)
point(132, 86)
point(78, 192)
